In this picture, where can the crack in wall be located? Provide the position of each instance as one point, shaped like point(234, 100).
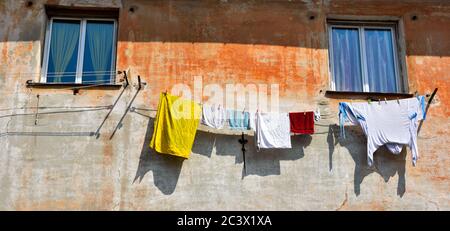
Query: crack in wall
point(344, 202)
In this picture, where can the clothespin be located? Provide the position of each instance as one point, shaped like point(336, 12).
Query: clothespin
point(398, 100)
point(385, 100)
point(379, 101)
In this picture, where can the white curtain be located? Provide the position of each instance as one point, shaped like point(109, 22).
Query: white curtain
point(99, 38)
point(380, 60)
point(63, 46)
point(346, 59)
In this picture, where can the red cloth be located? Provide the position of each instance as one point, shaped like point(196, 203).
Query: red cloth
point(302, 122)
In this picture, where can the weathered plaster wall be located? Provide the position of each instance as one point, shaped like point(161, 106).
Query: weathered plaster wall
point(57, 165)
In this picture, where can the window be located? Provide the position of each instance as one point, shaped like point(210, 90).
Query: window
point(80, 51)
point(363, 58)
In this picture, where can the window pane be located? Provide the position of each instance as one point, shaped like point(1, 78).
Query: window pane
point(380, 60)
point(98, 52)
point(346, 59)
point(62, 62)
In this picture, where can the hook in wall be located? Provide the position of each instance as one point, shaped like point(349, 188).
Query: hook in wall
point(125, 76)
point(37, 111)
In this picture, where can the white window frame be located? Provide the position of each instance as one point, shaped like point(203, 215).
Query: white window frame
point(363, 61)
point(81, 46)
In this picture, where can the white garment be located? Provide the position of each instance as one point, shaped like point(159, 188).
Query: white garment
point(213, 116)
point(390, 123)
point(272, 130)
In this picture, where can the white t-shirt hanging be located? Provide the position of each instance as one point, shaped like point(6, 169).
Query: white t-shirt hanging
point(390, 123)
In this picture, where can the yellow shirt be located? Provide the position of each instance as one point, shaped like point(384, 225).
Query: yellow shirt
point(176, 123)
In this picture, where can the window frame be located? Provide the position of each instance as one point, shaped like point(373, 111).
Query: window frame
point(81, 46)
point(361, 26)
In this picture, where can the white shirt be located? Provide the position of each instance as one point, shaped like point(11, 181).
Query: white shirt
point(390, 123)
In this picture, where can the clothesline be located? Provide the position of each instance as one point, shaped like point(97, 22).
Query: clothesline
point(227, 109)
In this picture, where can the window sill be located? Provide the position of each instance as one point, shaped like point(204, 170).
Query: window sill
point(366, 95)
point(74, 86)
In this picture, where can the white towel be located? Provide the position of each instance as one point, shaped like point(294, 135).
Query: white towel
point(272, 130)
point(214, 116)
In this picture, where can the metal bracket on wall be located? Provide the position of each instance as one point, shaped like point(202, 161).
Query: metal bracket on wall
point(97, 133)
point(37, 111)
point(243, 141)
point(428, 106)
point(119, 124)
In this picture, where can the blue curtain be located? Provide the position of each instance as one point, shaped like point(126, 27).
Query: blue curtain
point(346, 59)
point(98, 52)
point(63, 55)
point(380, 60)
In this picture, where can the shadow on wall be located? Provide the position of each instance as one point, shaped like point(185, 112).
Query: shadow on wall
point(386, 164)
point(267, 161)
point(262, 163)
point(165, 168)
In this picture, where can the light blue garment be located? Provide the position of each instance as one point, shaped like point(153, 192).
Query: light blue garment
point(239, 120)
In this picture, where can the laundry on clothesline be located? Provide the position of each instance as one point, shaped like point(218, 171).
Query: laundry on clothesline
point(272, 130)
point(175, 125)
point(391, 123)
point(239, 120)
point(214, 116)
point(302, 122)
